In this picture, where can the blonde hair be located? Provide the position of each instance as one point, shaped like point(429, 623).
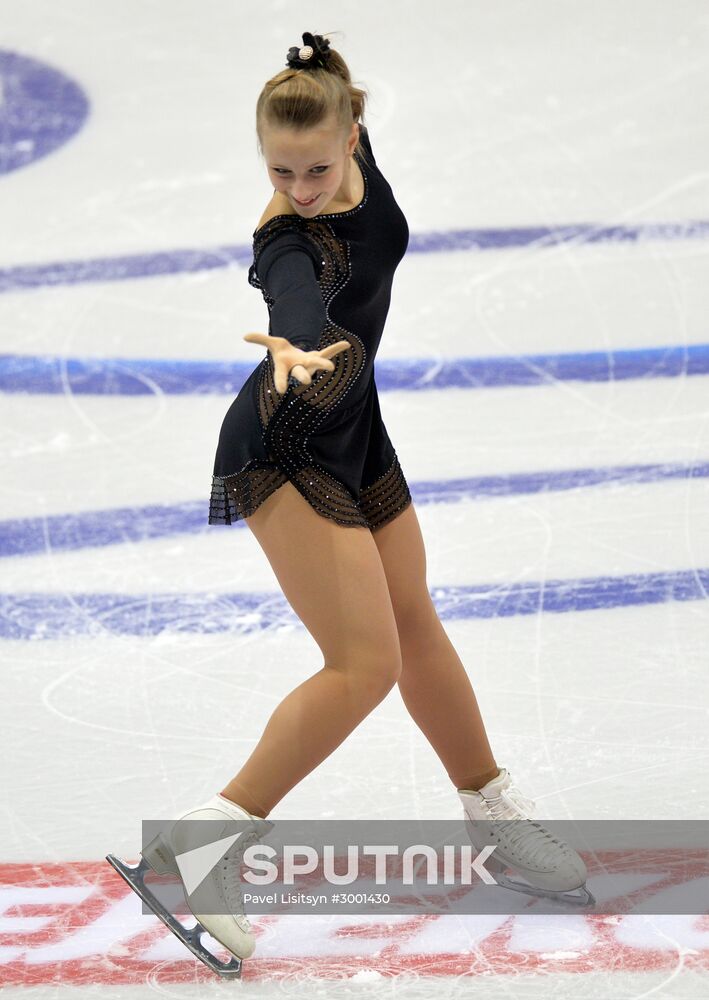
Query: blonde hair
point(306, 98)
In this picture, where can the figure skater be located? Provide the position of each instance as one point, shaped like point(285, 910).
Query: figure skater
point(304, 457)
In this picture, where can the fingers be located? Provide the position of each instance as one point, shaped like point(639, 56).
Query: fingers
point(317, 360)
point(281, 377)
point(302, 374)
point(332, 349)
point(266, 340)
point(258, 338)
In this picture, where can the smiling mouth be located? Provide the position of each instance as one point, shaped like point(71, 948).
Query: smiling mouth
point(305, 203)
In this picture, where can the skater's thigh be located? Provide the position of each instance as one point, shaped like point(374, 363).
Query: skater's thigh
point(403, 555)
point(332, 577)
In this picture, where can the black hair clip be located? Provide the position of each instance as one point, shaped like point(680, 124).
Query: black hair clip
point(314, 52)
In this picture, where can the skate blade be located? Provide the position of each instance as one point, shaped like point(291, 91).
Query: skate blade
point(190, 937)
point(584, 897)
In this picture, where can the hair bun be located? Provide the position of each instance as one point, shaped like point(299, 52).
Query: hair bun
point(314, 53)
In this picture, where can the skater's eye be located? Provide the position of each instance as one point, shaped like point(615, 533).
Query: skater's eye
point(280, 170)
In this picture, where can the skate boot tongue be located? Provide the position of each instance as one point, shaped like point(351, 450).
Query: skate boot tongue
point(493, 788)
point(503, 800)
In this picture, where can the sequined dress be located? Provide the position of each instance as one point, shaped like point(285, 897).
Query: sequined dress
point(327, 438)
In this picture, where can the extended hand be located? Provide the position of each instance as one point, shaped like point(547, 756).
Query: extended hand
point(290, 360)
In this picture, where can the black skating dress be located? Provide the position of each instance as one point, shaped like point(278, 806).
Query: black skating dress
point(327, 438)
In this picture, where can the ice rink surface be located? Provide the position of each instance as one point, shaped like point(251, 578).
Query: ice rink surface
point(544, 377)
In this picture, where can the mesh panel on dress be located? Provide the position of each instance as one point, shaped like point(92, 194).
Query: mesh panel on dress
point(288, 421)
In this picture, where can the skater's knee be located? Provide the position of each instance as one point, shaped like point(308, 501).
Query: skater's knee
point(372, 672)
point(387, 672)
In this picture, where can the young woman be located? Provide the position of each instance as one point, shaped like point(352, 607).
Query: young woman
point(305, 458)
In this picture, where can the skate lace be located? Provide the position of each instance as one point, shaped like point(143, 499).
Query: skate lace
point(511, 804)
point(506, 810)
point(231, 866)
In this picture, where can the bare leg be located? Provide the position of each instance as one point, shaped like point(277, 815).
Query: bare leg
point(333, 578)
point(433, 683)
point(440, 698)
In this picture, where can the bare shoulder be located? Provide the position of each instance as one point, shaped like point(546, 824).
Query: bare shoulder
point(278, 205)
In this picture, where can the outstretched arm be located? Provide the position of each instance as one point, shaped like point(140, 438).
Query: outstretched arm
point(287, 270)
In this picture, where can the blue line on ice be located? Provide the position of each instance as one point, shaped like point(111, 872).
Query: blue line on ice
point(156, 263)
point(59, 616)
point(26, 373)
point(27, 536)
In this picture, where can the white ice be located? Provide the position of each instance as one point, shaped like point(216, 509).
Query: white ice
point(482, 115)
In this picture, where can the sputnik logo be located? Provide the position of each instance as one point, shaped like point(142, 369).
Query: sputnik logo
point(196, 864)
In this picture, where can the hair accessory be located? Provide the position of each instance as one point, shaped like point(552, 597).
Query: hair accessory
point(314, 53)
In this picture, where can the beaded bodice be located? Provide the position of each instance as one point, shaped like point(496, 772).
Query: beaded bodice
point(357, 251)
point(328, 438)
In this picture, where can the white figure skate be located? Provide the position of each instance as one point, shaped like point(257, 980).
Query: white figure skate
point(550, 867)
point(231, 927)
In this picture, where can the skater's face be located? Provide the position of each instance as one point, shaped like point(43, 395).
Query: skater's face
point(311, 165)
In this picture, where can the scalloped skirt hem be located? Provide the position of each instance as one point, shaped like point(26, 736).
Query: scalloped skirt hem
point(237, 496)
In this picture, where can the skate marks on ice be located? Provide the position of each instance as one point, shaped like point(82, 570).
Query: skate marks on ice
point(77, 924)
point(26, 536)
point(49, 616)
point(189, 261)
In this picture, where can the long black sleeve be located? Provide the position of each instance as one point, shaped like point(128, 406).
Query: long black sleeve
point(288, 268)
